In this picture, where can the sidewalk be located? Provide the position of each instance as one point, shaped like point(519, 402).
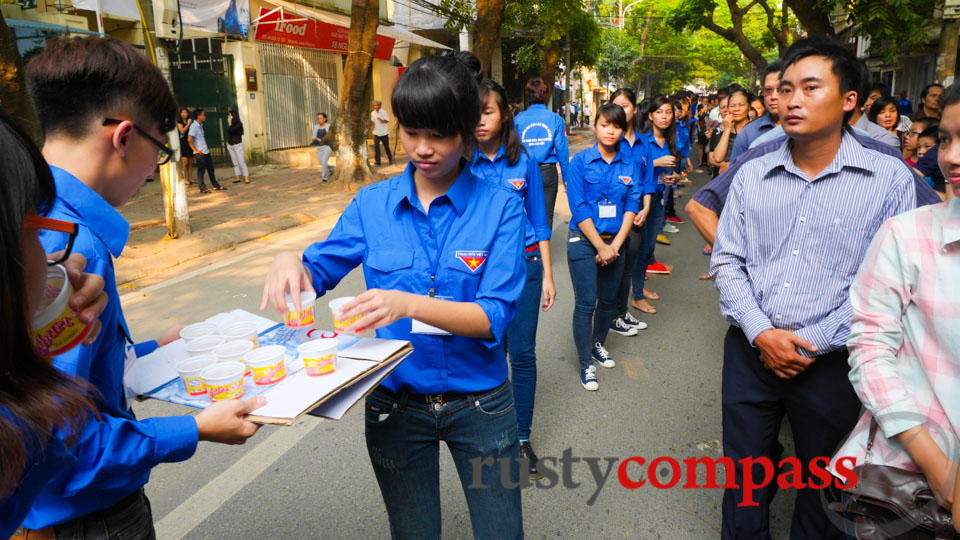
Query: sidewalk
point(278, 198)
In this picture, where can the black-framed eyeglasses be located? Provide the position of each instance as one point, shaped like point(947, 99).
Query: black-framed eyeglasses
point(163, 155)
point(56, 227)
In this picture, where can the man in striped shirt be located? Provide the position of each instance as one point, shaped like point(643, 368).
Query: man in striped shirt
point(796, 225)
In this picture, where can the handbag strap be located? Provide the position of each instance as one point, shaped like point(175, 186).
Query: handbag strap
point(871, 438)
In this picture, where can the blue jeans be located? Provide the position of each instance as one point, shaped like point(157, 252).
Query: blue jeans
point(522, 344)
point(595, 294)
point(630, 249)
point(403, 441)
point(648, 241)
point(323, 156)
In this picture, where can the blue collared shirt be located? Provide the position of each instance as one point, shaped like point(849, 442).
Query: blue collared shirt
point(683, 139)
point(115, 457)
point(199, 140)
point(594, 182)
point(640, 155)
point(544, 135)
point(655, 151)
point(788, 246)
point(522, 178)
point(472, 238)
point(713, 196)
point(749, 133)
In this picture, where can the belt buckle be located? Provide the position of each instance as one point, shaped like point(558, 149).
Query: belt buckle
point(434, 398)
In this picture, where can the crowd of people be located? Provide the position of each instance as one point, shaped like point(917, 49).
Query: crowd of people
point(836, 263)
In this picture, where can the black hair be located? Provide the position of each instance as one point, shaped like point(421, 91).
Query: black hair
point(932, 132)
point(613, 113)
point(880, 104)
point(878, 87)
point(180, 119)
point(741, 92)
point(643, 110)
point(864, 80)
point(773, 67)
point(950, 96)
point(509, 138)
point(236, 118)
point(197, 112)
point(843, 63)
point(537, 91)
point(471, 61)
point(632, 98)
point(926, 90)
point(671, 133)
point(39, 397)
point(928, 122)
point(438, 93)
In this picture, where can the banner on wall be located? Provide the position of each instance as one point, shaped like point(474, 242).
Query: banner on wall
point(313, 34)
point(119, 8)
point(217, 16)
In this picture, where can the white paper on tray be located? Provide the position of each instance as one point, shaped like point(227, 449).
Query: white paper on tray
point(338, 405)
point(376, 350)
point(301, 391)
point(160, 367)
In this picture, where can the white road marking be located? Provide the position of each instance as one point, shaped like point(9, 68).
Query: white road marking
point(208, 499)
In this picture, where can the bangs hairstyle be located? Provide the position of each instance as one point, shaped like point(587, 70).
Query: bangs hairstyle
point(880, 104)
point(632, 98)
point(950, 96)
point(76, 82)
point(512, 146)
point(613, 113)
point(38, 396)
point(671, 133)
point(438, 93)
point(180, 119)
point(843, 63)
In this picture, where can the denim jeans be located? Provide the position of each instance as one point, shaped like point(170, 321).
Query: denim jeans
point(595, 294)
point(403, 441)
point(522, 344)
point(648, 241)
point(630, 250)
point(548, 171)
point(205, 165)
point(130, 519)
point(323, 156)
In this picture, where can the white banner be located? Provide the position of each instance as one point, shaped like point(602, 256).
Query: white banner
point(217, 16)
point(119, 8)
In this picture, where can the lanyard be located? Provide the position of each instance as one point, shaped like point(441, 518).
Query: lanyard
point(440, 247)
point(608, 176)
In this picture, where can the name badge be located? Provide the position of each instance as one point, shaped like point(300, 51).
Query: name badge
point(608, 211)
point(423, 328)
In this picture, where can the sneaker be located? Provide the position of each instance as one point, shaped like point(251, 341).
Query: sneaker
point(675, 219)
point(601, 356)
point(526, 452)
point(588, 378)
point(634, 322)
point(662, 239)
point(657, 268)
point(621, 327)
point(670, 228)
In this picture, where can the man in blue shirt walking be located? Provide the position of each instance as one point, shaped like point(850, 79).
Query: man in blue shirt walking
point(789, 221)
point(544, 135)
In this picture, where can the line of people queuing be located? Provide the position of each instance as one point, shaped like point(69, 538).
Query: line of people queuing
point(456, 256)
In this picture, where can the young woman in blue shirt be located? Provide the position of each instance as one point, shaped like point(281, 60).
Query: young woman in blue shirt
point(604, 195)
point(443, 257)
point(500, 158)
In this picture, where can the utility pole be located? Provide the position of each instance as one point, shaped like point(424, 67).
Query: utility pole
point(947, 53)
point(621, 23)
point(569, 66)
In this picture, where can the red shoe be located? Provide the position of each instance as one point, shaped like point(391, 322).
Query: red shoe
point(657, 268)
point(675, 219)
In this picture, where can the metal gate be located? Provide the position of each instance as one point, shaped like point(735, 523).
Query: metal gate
point(297, 84)
point(206, 80)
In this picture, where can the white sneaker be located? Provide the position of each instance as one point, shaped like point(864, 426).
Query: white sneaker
point(588, 378)
point(601, 356)
point(634, 322)
point(621, 327)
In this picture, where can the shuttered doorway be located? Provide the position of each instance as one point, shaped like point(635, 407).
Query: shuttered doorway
point(297, 84)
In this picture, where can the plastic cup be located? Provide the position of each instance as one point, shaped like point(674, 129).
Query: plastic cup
point(233, 351)
point(267, 364)
point(319, 356)
point(197, 330)
point(56, 327)
point(189, 371)
point(223, 381)
point(204, 345)
point(304, 317)
point(244, 331)
point(340, 324)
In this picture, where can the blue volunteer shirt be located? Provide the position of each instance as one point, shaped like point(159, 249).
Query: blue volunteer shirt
point(655, 151)
point(471, 241)
point(544, 135)
point(639, 154)
point(522, 178)
point(594, 182)
point(683, 139)
point(127, 452)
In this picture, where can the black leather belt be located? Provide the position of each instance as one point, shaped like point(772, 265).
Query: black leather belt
point(445, 397)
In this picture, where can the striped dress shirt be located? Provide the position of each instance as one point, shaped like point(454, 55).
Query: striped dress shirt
point(788, 246)
point(905, 335)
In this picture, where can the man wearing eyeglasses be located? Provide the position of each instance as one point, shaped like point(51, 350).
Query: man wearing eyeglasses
point(104, 110)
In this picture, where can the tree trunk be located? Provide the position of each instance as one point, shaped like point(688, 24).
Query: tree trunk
point(489, 20)
point(947, 54)
point(13, 91)
point(815, 21)
point(551, 57)
point(646, 30)
point(353, 119)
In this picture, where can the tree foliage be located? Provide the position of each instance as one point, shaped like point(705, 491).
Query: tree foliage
point(894, 26)
point(545, 25)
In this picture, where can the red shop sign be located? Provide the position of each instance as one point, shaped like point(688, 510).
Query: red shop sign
point(313, 34)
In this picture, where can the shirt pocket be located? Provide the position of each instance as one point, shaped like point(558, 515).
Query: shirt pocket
point(592, 186)
point(468, 267)
point(842, 245)
point(390, 268)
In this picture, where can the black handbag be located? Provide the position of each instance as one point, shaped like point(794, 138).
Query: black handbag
point(893, 503)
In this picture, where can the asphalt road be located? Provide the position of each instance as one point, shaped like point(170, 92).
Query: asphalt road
point(314, 480)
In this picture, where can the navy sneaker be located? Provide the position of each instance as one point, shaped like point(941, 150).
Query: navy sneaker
point(634, 322)
point(601, 356)
point(620, 326)
point(588, 378)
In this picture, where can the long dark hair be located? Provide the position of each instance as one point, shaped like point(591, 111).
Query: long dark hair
point(509, 137)
point(236, 118)
point(180, 119)
point(671, 132)
point(632, 97)
point(39, 397)
point(643, 112)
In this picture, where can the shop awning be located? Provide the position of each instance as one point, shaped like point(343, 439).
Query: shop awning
point(46, 27)
point(394, 32)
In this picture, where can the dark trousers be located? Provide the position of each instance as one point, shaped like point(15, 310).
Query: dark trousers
point(377, 140)
point(631, 248)
point(550, 181)
point(595, 290)
point(522, 344)
point(647, 245)
point(205, 164)
point(129, 519)
point(822, 408)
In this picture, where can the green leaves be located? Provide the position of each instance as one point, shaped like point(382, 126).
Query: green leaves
point(895, 27)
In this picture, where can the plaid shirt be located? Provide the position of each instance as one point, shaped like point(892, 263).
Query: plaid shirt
point(905, 334)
